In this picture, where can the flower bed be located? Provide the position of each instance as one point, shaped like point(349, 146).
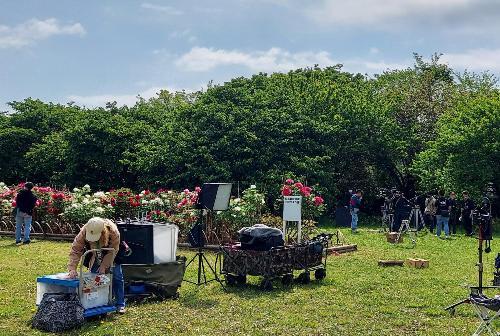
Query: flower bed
point(64, 211)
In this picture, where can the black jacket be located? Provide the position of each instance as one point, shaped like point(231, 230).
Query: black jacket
point(25, 201)
point(467, 206)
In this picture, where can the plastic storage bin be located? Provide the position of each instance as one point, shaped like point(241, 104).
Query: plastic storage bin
point(90, 298)
point(165, 243)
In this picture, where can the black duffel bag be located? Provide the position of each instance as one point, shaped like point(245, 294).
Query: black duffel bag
point(58, 312)
point(260, 238)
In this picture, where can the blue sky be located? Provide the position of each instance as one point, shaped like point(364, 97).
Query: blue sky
point(94, 51)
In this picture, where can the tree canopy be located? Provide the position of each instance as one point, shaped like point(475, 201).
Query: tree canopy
point(417, 128)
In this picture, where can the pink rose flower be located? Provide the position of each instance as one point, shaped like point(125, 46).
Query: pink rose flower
point(289, 181)
point(286, 191)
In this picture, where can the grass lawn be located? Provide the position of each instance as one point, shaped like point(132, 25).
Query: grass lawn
point(356, 298)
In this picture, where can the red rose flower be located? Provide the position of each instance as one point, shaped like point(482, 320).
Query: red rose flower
point(14, 204)
point(197, 189)
point(299, 185)
point(147, 192)
point(137, 197)
point(318, 200)
point(289, 181)
point(286, 191)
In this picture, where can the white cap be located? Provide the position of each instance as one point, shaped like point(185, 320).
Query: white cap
point(93, 229)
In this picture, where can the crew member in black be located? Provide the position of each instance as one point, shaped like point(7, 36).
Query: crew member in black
point(455, 212)
point(466, 207)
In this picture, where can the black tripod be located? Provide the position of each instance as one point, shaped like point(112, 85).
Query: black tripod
point(197, 239)
point(480, 267)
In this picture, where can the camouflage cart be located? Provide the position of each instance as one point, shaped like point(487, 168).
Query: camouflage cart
point(311, 256)
point(272, 264)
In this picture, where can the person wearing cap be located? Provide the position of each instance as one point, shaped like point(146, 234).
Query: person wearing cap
point(96, 234)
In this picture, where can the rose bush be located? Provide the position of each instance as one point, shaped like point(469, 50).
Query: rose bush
point(313, 205)
point(65, 210)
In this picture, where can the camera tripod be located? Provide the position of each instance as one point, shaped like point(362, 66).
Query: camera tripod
point(480, 270)
point(387, 220)
point(405, 227)
point(418, 219)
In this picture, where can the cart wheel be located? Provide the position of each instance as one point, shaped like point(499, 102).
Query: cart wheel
point(230, 280)
point(320, 274)
point(304, 278)
point(241, 280)
point(266, 285)
point(287, 279)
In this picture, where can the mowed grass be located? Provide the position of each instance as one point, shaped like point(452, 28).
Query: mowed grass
point(357, 297)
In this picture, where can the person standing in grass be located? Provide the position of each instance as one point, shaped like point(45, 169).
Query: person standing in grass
point(25, 203)
point(466, 207)
point(355, 205)
point(442, 215)
point(430, 211)
point(455, 212)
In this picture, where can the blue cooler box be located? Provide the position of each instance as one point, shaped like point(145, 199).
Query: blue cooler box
point(96, 301)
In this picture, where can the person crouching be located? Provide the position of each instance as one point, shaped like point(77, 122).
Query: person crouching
point(96, 234)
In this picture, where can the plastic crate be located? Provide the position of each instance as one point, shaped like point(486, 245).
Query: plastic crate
point(56, 283)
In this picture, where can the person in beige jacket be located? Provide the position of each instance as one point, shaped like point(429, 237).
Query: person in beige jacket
point(99, 233)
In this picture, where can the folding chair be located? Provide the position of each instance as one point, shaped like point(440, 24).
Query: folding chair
point(487, 309)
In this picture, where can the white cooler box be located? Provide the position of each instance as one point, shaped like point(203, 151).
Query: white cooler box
point(56, 283)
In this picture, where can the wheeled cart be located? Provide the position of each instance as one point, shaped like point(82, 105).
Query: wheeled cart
point(96, 301)
point(272, 264)
point(276, 263)
point(310, 257)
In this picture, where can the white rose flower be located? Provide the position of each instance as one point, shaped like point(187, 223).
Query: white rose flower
point(237, 200)
point(253, 186)
point(99, 210)
point(237, 208)
point(144, 202)
point(76, 190)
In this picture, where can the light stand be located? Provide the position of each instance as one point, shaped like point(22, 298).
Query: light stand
point(213, 196)
point(202, 259)
point(480, 266)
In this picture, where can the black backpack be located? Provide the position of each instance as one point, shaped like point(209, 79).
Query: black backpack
point(58, 312)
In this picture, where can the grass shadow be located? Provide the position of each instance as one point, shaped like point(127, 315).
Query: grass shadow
point(193, 300)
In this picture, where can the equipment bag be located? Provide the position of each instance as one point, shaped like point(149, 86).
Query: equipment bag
point(260, 238)
point(58, 312)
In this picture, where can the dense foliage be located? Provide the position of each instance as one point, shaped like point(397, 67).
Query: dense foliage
point(65, 211)
point(418, 128)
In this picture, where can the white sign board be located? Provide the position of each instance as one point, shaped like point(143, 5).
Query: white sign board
point(292, 206)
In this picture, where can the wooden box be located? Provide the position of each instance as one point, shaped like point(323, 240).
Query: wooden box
point(392, 237)
point(417, 262)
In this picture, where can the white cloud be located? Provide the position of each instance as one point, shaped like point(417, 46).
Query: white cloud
point(121, 99)
point(372, 12)
point(274, 59)
point(163, 9)
point(34, 30)
point(474, 59)
point(277, 60)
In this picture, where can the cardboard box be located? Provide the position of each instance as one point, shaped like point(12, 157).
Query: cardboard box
point(392, 236)
point(417, 262)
